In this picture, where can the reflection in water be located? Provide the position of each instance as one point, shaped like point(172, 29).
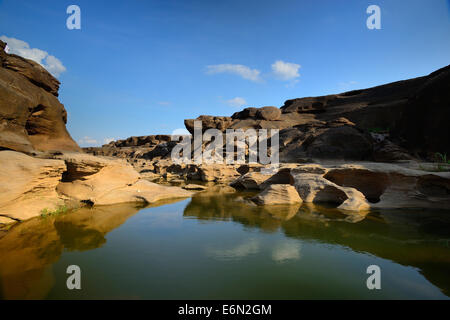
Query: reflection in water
point(287, 250)
point(30, 250)
point(250, 246)
point(415, 238)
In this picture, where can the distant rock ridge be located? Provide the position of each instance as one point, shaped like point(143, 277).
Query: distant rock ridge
point(397, 121)
point(412, 112)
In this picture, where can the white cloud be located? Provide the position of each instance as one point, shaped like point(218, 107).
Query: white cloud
point(239, 69)
point(164, 103)
point(286, 251)
point(54, 66)
point(22, 48)
point(87, 141)
point(180, 132)
point(249, 247)
point(236, 102)
point(285, 70)
point(108, 140)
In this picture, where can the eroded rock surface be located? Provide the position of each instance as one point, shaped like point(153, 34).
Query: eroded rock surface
point(30, 185)
point(31, 117)
point(277, 194)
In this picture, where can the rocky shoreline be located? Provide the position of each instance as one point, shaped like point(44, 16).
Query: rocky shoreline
point(358, 150)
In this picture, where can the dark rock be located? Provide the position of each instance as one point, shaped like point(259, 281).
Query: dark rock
point(423, 126)
point(209, 122)
point(245, 114)
point(268, 113)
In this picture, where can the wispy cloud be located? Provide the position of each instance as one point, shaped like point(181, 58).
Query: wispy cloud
point(238, 69)
point(286, 251)
point(22, 48)
point(164, 103)
point(249, 247)
point(180, 132)
point(87, 141)
point(236, 102)
point(285, 70)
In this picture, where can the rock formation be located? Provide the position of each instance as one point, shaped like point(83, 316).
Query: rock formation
point(31, 117)
point(43, 169)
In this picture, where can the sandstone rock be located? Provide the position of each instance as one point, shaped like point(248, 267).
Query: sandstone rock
point(268, 113)
point(394, 186)
point(250, 181)
point(195, 187)
point(342, 142)
point(102, 181)
point(27, 185)
point(307, 105)
point(31, 117)
point(30, 69)
point(334, 139)
point(423, 126)
point(209, 122)
point(245, 114)
point(315, 188)
point(278, 194)
point(218, 172)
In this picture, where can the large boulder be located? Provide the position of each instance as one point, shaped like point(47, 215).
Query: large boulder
point(278, 194)
point(209, 122)
point(28, 185)
point(30, 69)
point(314, 188)
point(268, 113)
point(264, 113)
point(335, 139)
point(101, 181)
point(31, 117)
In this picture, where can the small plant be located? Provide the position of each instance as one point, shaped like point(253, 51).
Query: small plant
point(441, 158)
point(442, 161)
point(59, 210)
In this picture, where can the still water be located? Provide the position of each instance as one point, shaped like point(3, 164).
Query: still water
point(217, 246)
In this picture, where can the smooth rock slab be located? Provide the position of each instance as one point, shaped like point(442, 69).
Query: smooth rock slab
point(278, 194)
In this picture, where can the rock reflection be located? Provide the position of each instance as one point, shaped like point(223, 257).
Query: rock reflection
point(414, 238)
point(28, 249)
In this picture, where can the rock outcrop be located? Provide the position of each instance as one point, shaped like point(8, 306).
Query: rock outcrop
point(31, 185)
point(28, 185)
point(278, 194)
point(31, 117)
point(338, 126)
point(43, 169)
point(358, 187)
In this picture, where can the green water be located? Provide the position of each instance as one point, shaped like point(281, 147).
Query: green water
point(219, 247)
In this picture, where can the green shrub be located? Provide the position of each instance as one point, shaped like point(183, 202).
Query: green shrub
point(59, 210)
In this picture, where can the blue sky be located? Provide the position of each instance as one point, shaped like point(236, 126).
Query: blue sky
point(142, 67)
